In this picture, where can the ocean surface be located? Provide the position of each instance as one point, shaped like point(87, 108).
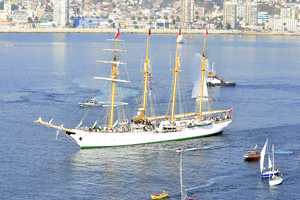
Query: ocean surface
point(47, 75)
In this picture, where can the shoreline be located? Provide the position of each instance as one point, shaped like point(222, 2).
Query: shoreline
point(139, 31)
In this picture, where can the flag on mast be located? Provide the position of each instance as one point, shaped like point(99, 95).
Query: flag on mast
point(179, 33)
point(149, 31)
point(117, 33)
point(206, 32)
point(230, 110)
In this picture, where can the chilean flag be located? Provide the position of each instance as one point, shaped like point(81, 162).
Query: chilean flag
point(179, 33)
point(149, 31)
point(117, 33)
point(230, 110)
point(206, 32)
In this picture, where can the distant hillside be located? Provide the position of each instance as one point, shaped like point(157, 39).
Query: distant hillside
point(198, 3)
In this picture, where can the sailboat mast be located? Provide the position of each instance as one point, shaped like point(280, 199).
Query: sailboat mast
point(146, 74)
point(181, 176)
point(202, 81)
point(113, 76)
point(268, 148)
point(273, 155)
point(176, 71)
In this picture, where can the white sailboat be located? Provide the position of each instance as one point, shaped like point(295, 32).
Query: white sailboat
point(270, 171)
point(145, 129)
point(275, 179)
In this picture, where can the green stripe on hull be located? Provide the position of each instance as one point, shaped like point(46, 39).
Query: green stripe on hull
point(91, 147)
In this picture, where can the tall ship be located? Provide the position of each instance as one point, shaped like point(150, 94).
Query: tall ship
point(144, 129)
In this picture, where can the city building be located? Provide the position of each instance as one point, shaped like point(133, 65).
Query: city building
point(240, 10)
point(187, 13)
point(229, 14)
point(199, 11)
point(262, 17)
point(283, 24)
point(251, 14)
point(86, 22)
point(18, 16)
point(61, 12)
point(289, 13)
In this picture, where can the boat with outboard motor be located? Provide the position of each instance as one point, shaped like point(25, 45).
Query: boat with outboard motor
point(90, 103)
point(252, 154)
point(145, 129)
point(164, 194)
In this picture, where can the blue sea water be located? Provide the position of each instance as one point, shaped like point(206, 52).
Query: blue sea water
point(47, 75)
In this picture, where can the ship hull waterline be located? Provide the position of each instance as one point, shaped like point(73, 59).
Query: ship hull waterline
point(87, 140)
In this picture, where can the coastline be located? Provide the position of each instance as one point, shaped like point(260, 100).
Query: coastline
point(140, 31)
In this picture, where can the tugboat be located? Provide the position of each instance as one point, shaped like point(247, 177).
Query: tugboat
point(252, 154)
point(213, 79)
point(90, 103)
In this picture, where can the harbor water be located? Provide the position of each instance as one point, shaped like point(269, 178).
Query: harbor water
point(48, 74)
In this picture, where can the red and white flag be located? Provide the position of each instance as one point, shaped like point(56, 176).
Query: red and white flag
point(117, 33)
point(206, 32)
point(149, 31)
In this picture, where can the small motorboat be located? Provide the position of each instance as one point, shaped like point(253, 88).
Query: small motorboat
point(90, 103)
point(10, 45)
point(179, 150)
point(252, 154)
point(275, 180)
point(160, 196)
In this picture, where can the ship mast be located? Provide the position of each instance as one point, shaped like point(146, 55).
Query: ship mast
point(202, 81)
point(113, 76)
point(176, 71)
point(146, 74)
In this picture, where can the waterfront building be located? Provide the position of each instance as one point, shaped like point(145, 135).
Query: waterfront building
point(187, 13)
point(19, 16)
point(262, 17)
point(251, 14)
point(241, 10)
point(6, 12)
point(284, 24)
point(86, 22)
point(61, 12)
point(199, 11)
point(229, 14)
point(289, 13)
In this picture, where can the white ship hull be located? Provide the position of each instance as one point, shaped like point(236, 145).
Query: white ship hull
point(87, 139)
